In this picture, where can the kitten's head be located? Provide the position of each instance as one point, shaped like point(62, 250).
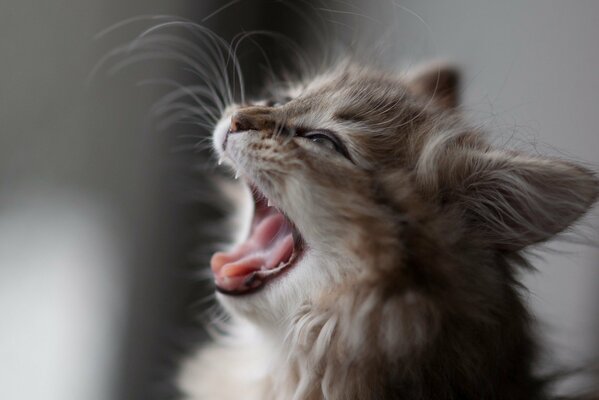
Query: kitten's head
point(348, 169)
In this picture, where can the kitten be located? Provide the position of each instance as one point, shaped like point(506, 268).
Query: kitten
point(381, 258)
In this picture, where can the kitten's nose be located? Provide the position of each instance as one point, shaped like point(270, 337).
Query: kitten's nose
point(241, 122)
point(252, 119)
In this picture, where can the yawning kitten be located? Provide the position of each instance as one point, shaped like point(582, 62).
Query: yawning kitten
point(381, 256)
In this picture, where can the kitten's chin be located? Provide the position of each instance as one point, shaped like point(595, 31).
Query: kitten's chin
point(271, 249)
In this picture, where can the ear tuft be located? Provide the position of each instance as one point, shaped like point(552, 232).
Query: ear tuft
point(438, 83)
point(512, 201)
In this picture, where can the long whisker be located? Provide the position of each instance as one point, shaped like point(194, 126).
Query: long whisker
point(192, 110)
point(129, 21)
point(182, 91)
point(294, 46)
point(220, 9)
point(218, 42)
point(209, 58)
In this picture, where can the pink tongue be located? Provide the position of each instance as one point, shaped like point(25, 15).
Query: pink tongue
point(270, 244)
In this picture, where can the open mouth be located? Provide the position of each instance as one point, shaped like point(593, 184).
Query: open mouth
point(272, 247)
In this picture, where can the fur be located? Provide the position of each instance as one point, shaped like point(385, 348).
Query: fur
point(408, 286)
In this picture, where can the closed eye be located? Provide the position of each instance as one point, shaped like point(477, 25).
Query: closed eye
point(326, 139)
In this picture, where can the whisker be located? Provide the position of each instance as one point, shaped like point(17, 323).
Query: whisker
point(128, 21)
point(220, 9)
point(210, 58)
point(182, 91)
point(356, 14)
point(193, 110)
point(184, 115)
point(218, 42)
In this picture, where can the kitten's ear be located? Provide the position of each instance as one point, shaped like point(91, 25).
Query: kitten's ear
point(438, 83)
point(513, 201)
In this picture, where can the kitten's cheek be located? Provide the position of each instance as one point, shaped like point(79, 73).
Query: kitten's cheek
point(235, 150)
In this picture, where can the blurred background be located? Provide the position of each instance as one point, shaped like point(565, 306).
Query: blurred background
point(105, 210)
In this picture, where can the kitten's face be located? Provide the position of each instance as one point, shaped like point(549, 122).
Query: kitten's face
point(316, 158)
